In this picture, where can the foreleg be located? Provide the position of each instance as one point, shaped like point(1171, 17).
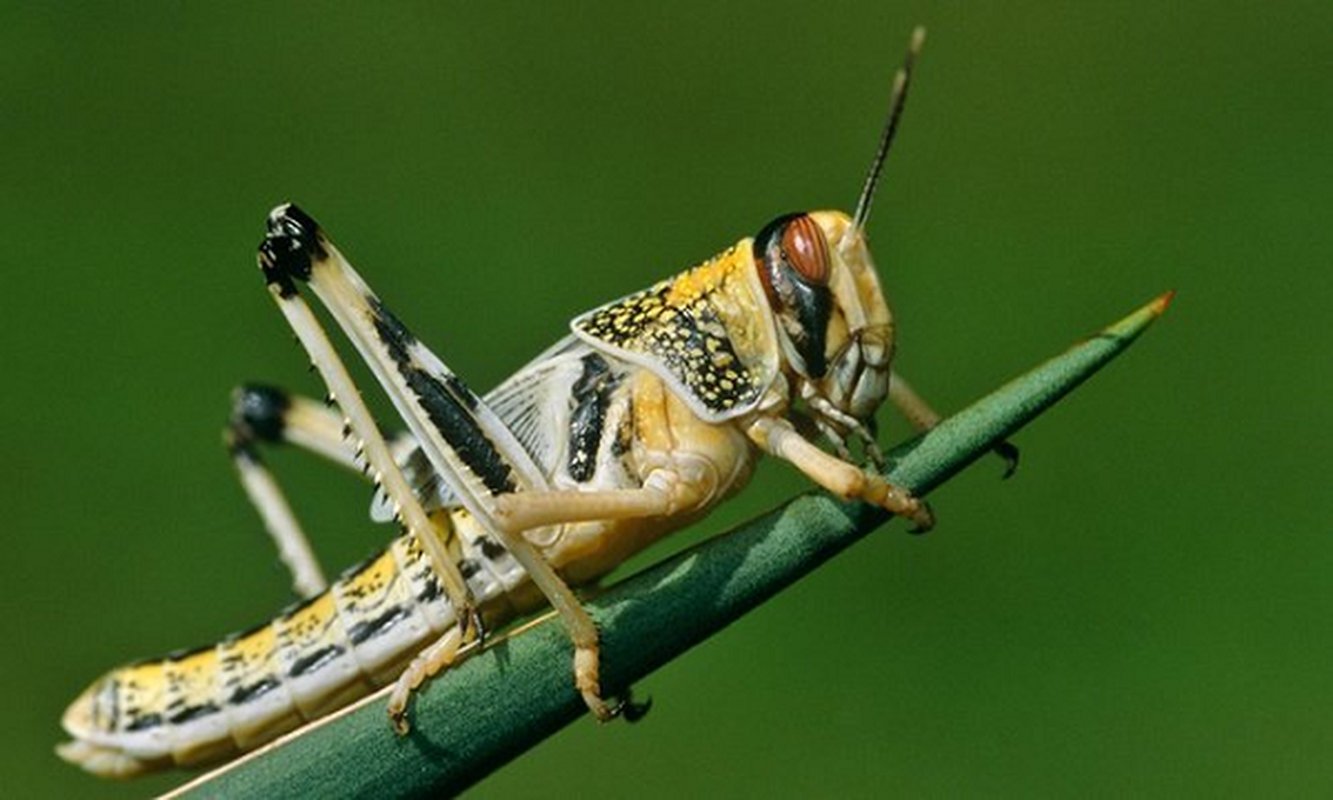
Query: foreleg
point(777, 436)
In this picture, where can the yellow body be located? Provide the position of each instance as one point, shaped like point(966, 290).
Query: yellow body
point(701, 377)
point(643, 420)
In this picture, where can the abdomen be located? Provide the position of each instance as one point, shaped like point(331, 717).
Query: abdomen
point(205, 705)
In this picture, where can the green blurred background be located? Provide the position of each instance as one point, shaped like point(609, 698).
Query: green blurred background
point(1146, 609)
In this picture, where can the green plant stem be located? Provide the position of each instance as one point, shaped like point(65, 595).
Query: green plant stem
point(497, 704)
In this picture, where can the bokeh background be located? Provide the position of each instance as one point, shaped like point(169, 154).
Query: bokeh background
point(1146, 609)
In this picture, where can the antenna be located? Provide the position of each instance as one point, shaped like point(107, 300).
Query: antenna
point(896, 101)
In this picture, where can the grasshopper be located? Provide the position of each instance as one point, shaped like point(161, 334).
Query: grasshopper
point(651, 412)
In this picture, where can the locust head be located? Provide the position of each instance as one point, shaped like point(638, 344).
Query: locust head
point(801, 301)
point(834, 327)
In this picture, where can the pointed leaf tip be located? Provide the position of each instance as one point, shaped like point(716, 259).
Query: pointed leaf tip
point(1162, 302)
point(1138, 321)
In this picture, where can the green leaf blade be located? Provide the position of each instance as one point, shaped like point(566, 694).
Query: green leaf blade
point(501, 702)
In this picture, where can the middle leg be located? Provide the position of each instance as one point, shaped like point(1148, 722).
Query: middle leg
point(265, 416)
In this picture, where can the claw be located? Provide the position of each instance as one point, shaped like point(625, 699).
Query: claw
point(587, 683)
point(1009, 453)
point(923, 519)
point(474, 627)
point(630, 710)
point(399, 722)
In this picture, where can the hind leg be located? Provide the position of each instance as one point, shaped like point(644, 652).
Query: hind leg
point(293, 245)
point(468, 446)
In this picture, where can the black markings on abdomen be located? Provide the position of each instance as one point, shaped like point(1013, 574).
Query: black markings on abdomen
point(245, 694)
point(371, 628)
point(431, 588)
point(143, 722)
point(315, 660)
point(193, 712)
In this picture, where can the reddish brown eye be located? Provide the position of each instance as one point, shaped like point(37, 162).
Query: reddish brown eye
point(807, 249)
point(792, 258)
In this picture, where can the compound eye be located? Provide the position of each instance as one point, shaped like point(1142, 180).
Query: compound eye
point(792, 257)
point(806, 249)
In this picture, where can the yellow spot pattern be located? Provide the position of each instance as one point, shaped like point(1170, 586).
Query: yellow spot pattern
point(705, 327)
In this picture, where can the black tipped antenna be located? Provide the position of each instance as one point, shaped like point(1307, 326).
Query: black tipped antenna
point(896, 102)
